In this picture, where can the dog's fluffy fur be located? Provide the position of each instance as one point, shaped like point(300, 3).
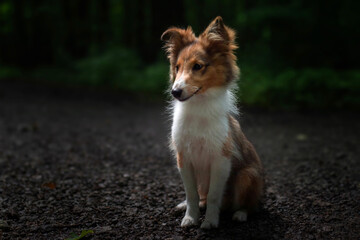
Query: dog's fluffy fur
point(218, 165)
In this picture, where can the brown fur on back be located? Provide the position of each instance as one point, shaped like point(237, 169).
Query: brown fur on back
point(245, 184)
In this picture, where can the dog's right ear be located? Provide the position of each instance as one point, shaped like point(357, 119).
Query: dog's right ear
point(176, 39)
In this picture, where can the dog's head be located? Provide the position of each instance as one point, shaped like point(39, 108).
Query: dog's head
point(200, 63)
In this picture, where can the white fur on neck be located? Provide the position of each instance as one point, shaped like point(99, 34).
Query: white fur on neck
point(202, 121)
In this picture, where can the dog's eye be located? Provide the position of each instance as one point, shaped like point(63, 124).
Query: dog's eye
point(177, 68)
point(197, 67)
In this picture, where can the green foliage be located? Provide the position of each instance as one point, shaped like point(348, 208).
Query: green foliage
point(117, 68)
point(113, 68)
point(9, 72)
point(307, 88)
point(122, 69)
point(296, 54)
point(83, 234)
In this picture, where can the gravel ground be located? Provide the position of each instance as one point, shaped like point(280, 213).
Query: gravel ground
point(73, 161)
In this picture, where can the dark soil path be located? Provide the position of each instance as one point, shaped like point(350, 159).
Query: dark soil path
point(71, 161)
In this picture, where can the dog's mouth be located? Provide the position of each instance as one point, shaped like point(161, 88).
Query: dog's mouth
point(184, 99)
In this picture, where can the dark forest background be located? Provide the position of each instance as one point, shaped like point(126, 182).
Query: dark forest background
point(293, 54)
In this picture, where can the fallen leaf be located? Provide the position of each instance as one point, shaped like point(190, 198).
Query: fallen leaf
point(83, 234)
point(50, 185)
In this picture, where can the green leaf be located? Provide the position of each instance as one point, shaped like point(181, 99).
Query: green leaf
point(83, 234)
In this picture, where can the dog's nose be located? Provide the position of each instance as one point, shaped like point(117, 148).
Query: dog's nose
point(176, 93)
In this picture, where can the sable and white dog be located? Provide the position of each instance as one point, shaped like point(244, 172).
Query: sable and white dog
point(218, 165)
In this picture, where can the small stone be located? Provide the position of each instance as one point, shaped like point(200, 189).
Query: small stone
point(340, 155)
point(327, 229)
point(103, 229)
point(301, 137)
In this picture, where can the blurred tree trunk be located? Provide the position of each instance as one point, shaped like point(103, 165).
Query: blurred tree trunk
point(19, 41)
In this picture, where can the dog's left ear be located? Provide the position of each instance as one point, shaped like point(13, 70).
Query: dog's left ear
point(217, 33)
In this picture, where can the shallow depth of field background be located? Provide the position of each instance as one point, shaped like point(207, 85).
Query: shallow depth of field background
point(293, 54)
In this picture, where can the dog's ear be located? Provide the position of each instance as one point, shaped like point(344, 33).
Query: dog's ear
point(176, 39)
point(217, 34)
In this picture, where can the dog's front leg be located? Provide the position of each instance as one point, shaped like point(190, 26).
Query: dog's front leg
point(192, 198)
point(220, 171)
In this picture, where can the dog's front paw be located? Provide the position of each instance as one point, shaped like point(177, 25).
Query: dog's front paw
point(210, 223)
point(189, 221)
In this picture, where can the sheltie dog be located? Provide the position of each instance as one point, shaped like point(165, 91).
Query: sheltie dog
point(219, 167)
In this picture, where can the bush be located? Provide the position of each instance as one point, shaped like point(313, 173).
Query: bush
point(307, 88)
point(122, 69)
point(118, 68)
point(114, 68)
point(9, 72)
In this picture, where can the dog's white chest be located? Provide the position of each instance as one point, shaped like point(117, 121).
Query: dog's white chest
point(199, 133)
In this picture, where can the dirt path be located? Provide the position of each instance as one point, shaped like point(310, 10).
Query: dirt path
point(71, 161)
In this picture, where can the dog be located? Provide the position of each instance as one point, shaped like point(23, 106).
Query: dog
point(219, 167)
